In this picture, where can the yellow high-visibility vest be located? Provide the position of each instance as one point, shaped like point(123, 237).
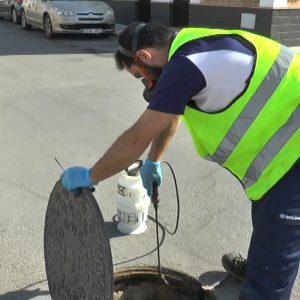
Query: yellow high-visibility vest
point(257, 137)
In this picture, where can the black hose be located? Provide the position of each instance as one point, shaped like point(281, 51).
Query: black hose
point(177, 199)
point(155, 202)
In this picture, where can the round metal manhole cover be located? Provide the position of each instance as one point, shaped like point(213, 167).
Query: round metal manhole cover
point(77, 251)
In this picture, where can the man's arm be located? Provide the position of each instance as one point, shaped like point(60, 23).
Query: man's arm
point(162, 141)
point(152, 125)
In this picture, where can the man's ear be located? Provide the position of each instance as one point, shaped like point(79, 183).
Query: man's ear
point(143, 56)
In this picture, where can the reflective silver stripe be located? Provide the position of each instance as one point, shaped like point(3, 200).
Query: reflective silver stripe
point(208, 157)
point(272, 148)
point(254, 106)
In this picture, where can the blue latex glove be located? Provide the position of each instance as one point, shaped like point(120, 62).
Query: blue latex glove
point(76, 177)
point(151, 171)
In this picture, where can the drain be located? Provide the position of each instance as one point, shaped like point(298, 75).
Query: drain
point(144, 283)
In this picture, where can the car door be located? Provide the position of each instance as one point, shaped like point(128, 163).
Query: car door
point(39, 11)
point(28, 7)
point(33, 11)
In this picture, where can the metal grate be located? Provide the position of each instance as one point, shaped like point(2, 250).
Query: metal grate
point(86, 26)
point(90, 19)
point(90, 13)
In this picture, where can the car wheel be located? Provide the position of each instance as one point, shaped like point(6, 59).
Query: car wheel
point(16, 20)
point(48, 27)
point(25, 25)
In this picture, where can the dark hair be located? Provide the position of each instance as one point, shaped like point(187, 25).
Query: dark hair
point(154, 35)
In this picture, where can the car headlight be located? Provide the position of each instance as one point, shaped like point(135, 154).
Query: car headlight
point(110, 13)
point(63, 12)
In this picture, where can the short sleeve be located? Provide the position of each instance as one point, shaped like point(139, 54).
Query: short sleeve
point(179, 81)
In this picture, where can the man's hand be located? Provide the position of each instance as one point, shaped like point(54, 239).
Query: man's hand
point(151, 171)
point(76, 177)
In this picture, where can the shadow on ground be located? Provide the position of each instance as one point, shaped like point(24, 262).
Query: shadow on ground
point(229, 289)
point(24, 293)
point(113, 232)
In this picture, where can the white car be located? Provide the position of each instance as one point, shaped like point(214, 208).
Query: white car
point(71, 16)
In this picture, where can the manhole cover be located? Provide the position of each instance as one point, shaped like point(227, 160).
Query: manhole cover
point(77, 251)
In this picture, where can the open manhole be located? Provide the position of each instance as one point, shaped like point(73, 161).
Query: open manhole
point(144, 283)
point(78, 258)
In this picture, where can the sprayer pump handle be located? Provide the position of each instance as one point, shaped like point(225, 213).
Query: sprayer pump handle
point(134, 171)
point(154, 196)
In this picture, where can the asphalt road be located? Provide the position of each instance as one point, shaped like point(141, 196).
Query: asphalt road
point(65, 98)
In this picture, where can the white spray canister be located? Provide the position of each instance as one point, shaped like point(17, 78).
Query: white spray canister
point(132, 201)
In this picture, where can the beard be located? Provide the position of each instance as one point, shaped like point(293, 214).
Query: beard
point(153, 71)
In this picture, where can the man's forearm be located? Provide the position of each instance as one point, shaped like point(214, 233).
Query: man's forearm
point(161, 142)
point(151, 126)
point(123, 152)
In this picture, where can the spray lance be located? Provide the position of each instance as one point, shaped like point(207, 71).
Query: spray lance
point(155, 202)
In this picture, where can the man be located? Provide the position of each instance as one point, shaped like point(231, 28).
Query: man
point(239, 95)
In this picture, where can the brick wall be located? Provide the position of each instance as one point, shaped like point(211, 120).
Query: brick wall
point(292, 3)
point(280, 24)
point(286, 26)
point(244, 3)
point(229, 17)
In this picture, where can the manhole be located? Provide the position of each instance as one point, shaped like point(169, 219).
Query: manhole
point(79, 263)
point(144, 283)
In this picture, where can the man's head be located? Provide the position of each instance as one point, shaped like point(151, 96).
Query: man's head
point(143, 49)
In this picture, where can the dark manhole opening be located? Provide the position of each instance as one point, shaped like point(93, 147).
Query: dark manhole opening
point(144, 283)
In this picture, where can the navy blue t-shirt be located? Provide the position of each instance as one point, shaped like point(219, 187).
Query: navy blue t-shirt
point(212, 72)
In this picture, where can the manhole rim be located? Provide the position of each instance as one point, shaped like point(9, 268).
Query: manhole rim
point(150, 272)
